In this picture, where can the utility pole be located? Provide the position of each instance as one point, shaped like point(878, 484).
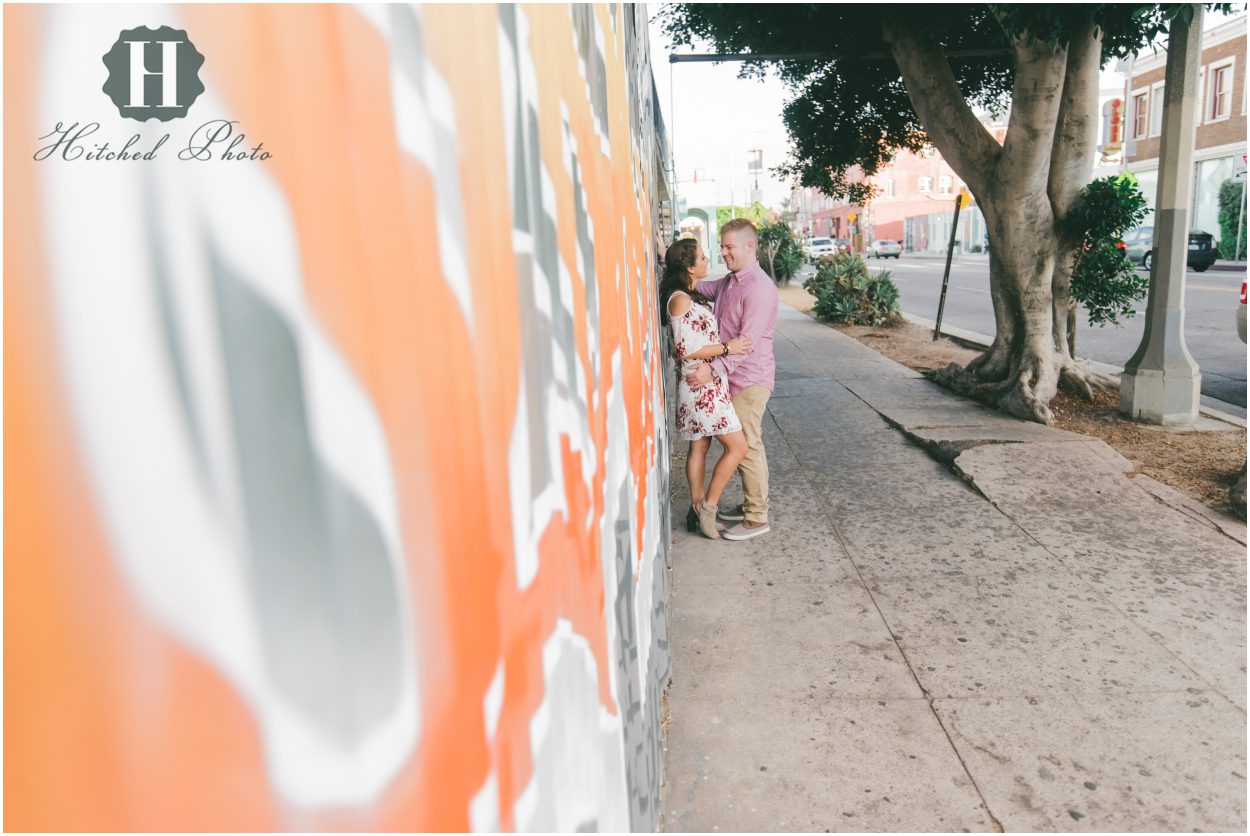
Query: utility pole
point(1161, 382)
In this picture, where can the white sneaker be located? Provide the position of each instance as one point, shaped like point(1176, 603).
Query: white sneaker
point(741, 532)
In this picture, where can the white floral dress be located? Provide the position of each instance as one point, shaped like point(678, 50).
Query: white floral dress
point(708, 410)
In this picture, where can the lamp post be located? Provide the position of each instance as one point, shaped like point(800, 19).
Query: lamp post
point(733, 210)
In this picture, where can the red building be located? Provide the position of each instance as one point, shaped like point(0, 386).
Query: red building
point(914, 203)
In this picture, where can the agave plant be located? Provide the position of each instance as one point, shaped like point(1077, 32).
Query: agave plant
point(886, 292)
point(846, 292)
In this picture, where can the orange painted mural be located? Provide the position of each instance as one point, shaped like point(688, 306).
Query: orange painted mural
point(336, 474)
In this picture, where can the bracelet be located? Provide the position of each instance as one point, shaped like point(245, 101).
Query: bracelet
point(725, 353)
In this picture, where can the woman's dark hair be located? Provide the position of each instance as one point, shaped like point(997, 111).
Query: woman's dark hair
point(679, 259)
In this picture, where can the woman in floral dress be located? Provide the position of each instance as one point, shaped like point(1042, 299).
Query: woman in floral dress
point(707, 411)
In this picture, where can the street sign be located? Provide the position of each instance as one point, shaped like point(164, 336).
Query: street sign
point(755, 162)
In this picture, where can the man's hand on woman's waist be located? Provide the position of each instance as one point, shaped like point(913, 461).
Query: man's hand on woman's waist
point(700, 377)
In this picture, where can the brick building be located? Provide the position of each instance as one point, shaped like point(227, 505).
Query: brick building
point(1220, 138)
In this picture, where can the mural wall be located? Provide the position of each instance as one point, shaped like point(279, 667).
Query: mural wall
point(336, 479)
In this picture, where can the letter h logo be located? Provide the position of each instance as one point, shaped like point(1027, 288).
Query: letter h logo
point(153, 74)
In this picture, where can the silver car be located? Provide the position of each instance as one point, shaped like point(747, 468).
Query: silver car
point(884, 249)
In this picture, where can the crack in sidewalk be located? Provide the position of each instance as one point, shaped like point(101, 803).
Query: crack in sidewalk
point(938, 452)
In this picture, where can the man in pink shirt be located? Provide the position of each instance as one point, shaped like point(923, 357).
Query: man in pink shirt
point(746, 304)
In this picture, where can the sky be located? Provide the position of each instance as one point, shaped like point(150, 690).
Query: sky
point(712, 117)
point(716, 113)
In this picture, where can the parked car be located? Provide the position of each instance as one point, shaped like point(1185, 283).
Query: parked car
point(1241, 313)
point(884, 249)
point(818, 247)
point(842, 245)
point(1202, 252)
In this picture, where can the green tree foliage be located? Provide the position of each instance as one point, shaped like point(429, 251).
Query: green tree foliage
point(846, 292)
point(1231, 196)
point(757, 213)
point(1104, 280)
point(850, 107)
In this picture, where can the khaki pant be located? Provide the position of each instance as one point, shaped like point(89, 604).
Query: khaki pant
point(750, 404)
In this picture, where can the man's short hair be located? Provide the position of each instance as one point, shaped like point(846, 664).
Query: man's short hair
point(740, 224)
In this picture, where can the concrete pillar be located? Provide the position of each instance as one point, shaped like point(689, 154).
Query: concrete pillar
point(1160, 384)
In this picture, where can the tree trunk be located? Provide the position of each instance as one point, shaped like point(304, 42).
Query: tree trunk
point(1025, 190)
point(1020, 372)
point(1071, 167)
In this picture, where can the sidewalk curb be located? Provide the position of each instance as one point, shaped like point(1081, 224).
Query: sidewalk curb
point(982, 342)
point(1227, 266)
point(1225, 524)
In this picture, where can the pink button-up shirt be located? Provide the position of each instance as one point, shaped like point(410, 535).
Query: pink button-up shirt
point(746, 304)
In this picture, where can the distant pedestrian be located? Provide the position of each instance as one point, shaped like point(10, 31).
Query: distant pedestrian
point(746, 305)
point(708, 412)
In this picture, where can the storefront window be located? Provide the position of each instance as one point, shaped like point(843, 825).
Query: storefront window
point(1211, 173)
point(1148, 182)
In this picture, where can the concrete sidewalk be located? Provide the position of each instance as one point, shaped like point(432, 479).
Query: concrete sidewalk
point(960, 621)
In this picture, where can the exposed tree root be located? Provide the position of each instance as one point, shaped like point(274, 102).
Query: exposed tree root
point(994, 364)
point(1082, 381)
point(1013, 395)
point(1027, 391)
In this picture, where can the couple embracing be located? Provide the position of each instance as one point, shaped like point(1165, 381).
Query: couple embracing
point(723, 339)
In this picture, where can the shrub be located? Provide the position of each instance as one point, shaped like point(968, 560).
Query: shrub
point(1231, 192)
point(833, 267)
point(846, 292)
point(1104, 280)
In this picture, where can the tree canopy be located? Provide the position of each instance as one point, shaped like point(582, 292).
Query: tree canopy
point(851, 106)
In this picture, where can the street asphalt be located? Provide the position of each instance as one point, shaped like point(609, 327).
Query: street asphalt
point(1211, 300)
point(959, 621)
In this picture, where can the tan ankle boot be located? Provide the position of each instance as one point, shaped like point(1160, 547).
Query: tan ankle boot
point(707, 521)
